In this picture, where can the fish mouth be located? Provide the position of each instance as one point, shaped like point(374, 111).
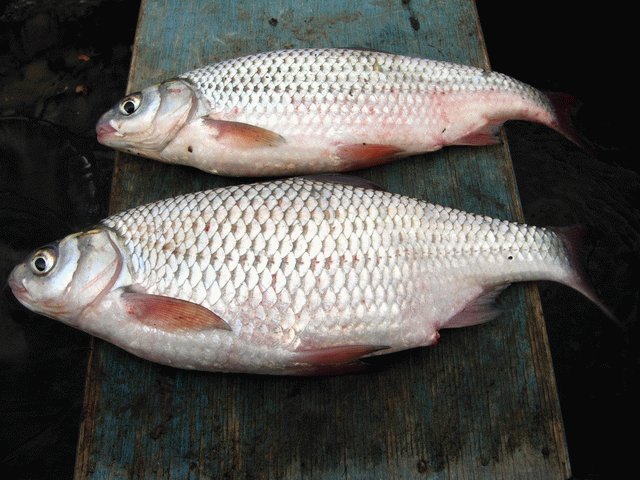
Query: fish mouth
point(47, 308)
point(18, 289)
point(104, 130)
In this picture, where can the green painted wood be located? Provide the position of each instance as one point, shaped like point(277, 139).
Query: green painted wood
point(480, 404)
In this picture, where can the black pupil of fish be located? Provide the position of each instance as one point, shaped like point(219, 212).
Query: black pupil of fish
point(40, 263)
point(129, 107)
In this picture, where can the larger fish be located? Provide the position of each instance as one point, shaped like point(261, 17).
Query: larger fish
point(296, 276)
point(320, 110)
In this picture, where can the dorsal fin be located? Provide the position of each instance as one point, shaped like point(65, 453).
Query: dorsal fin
point(345, 179)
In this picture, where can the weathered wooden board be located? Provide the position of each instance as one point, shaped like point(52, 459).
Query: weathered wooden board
point(480, 404)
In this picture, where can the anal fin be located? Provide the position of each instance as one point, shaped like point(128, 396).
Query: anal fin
point(482, 309)
point(486, 135)
point(332, 360)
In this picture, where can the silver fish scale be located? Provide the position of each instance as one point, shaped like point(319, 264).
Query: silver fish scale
point(290, 260)
point(325, 80)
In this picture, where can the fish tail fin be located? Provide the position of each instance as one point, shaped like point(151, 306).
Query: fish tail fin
point(564, 106)
point(574, 239)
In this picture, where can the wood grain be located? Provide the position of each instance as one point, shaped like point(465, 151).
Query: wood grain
point(480, 404)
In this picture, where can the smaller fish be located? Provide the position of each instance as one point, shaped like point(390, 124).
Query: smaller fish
point(296, 276)
point(304, 111)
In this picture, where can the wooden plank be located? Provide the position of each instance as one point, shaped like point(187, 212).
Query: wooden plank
point(481, 404)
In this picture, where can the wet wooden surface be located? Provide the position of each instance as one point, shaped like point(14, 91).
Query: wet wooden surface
point(480, 404)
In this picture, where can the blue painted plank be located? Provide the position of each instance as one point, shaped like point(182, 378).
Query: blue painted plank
point(481, 404)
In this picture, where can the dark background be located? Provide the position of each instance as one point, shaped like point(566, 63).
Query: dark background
point(66, 62)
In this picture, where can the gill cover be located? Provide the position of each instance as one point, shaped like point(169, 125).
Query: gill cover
point(62, 279)
point(144, 122)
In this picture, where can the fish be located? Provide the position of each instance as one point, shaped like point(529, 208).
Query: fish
point(309, 111)
point(298, 276)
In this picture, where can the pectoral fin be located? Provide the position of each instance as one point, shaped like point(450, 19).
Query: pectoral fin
point(170, 314)
point(242, 135)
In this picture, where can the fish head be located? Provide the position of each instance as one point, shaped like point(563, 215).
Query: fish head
point(144, 122)
point(63, 279)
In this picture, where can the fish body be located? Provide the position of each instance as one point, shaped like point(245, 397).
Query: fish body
point(320, 110)
point(297, 276)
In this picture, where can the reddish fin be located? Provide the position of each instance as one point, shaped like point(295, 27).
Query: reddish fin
point(371, 153)
point(485, 136)
point(480, 310)
point(574, 241)
point(170, 314)
point(333, 355)
point(332, 360)
point(242, 135)
point(564, 105)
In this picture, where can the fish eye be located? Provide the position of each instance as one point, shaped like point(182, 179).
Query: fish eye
point(130, 104)
point(43, 260)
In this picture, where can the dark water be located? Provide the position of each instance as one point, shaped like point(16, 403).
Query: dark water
point(61, 69)
point(583, 50)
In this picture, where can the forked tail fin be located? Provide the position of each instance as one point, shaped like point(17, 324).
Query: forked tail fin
point(564, 105)
point(574, 240)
